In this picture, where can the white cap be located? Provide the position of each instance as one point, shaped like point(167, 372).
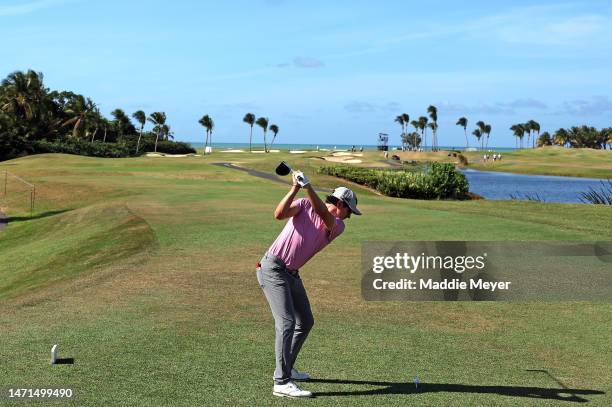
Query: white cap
point(348, 197)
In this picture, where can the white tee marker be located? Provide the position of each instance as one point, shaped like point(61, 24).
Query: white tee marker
point(54, 351)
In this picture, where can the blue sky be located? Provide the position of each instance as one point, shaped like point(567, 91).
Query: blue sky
point(324, 72)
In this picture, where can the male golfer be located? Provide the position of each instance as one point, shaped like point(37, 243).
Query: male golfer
point(312, 225)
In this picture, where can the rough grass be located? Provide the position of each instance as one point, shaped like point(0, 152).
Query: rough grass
point(171, 314)
point(60, 246)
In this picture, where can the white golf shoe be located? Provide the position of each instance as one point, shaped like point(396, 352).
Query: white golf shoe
point(295, 375)
point(291, 390)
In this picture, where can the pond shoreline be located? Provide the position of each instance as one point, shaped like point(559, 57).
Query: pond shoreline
point(497, 185)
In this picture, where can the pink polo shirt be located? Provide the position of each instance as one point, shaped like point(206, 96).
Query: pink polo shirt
point(303, 236)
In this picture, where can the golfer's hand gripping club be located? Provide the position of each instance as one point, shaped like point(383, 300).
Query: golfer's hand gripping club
point(301, 179)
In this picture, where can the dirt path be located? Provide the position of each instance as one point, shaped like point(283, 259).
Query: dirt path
point(264, 175)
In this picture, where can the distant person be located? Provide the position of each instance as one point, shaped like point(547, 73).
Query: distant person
point(361, 149)
point(386, 155)
point(494, 157)
point(312, 225)
point(499, 157)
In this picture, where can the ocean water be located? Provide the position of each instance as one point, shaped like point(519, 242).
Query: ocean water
point(296, 146)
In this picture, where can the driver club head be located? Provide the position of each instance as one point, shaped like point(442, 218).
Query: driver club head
point(283, 169)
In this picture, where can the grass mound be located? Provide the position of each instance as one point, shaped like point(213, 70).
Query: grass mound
point(55, 248)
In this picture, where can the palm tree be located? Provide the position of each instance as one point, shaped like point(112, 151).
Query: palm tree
point(433, 114)
point(141, 118)
point(158, 119)
point(263, 123)
point(123, 123)
point(98, 121)
point(544, 140)
point(487, 130)
point(478, 134)
point(423, 126)
point(406, 118)
point(481, 127)
point(400, 120)
point(519, 132)
point(273, 129)
point(463, 122)
point(434, 127)
point(249, 119)
point(79, 110)
point(208, 124)
point(526, 129)
point(417, 126)
point(561, 137)
point(166, 133)
point(535, 126)
point(24, 94)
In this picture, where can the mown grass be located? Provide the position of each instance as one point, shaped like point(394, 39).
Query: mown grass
point(572, 162)
point(558, 161)
point(148, 282)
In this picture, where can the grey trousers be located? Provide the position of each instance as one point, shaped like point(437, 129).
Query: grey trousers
point(291, 310)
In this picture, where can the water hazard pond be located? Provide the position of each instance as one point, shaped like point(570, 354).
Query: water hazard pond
point(502, 185)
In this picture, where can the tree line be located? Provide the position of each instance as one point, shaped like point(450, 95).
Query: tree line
point(574, 137)
point(33, 118)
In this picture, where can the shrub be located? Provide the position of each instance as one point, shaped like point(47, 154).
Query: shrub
point(440, 181)
point(163, 146)
point(82, 147)
point(123, 148)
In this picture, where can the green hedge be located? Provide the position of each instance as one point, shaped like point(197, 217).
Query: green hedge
point(439, 181)
point(81, 147)
point(125, 148)
point(168, 147)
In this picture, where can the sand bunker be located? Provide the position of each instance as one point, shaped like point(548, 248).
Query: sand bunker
point(232, 151)
point(344, 160)
point(171, 155)
point(343, 154)
point(297, 151)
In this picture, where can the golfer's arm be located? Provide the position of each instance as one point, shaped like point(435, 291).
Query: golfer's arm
point(285, 209)
point(319, 207)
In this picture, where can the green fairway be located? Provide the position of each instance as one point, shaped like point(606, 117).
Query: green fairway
point(142, 269)
point(572, 162)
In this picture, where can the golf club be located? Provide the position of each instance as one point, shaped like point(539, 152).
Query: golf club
point(284, 169)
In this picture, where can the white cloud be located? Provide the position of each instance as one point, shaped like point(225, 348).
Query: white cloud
point(544, 25)
point(28, 7)
point(598, 105)
point(307, 62)
point(560, 25)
